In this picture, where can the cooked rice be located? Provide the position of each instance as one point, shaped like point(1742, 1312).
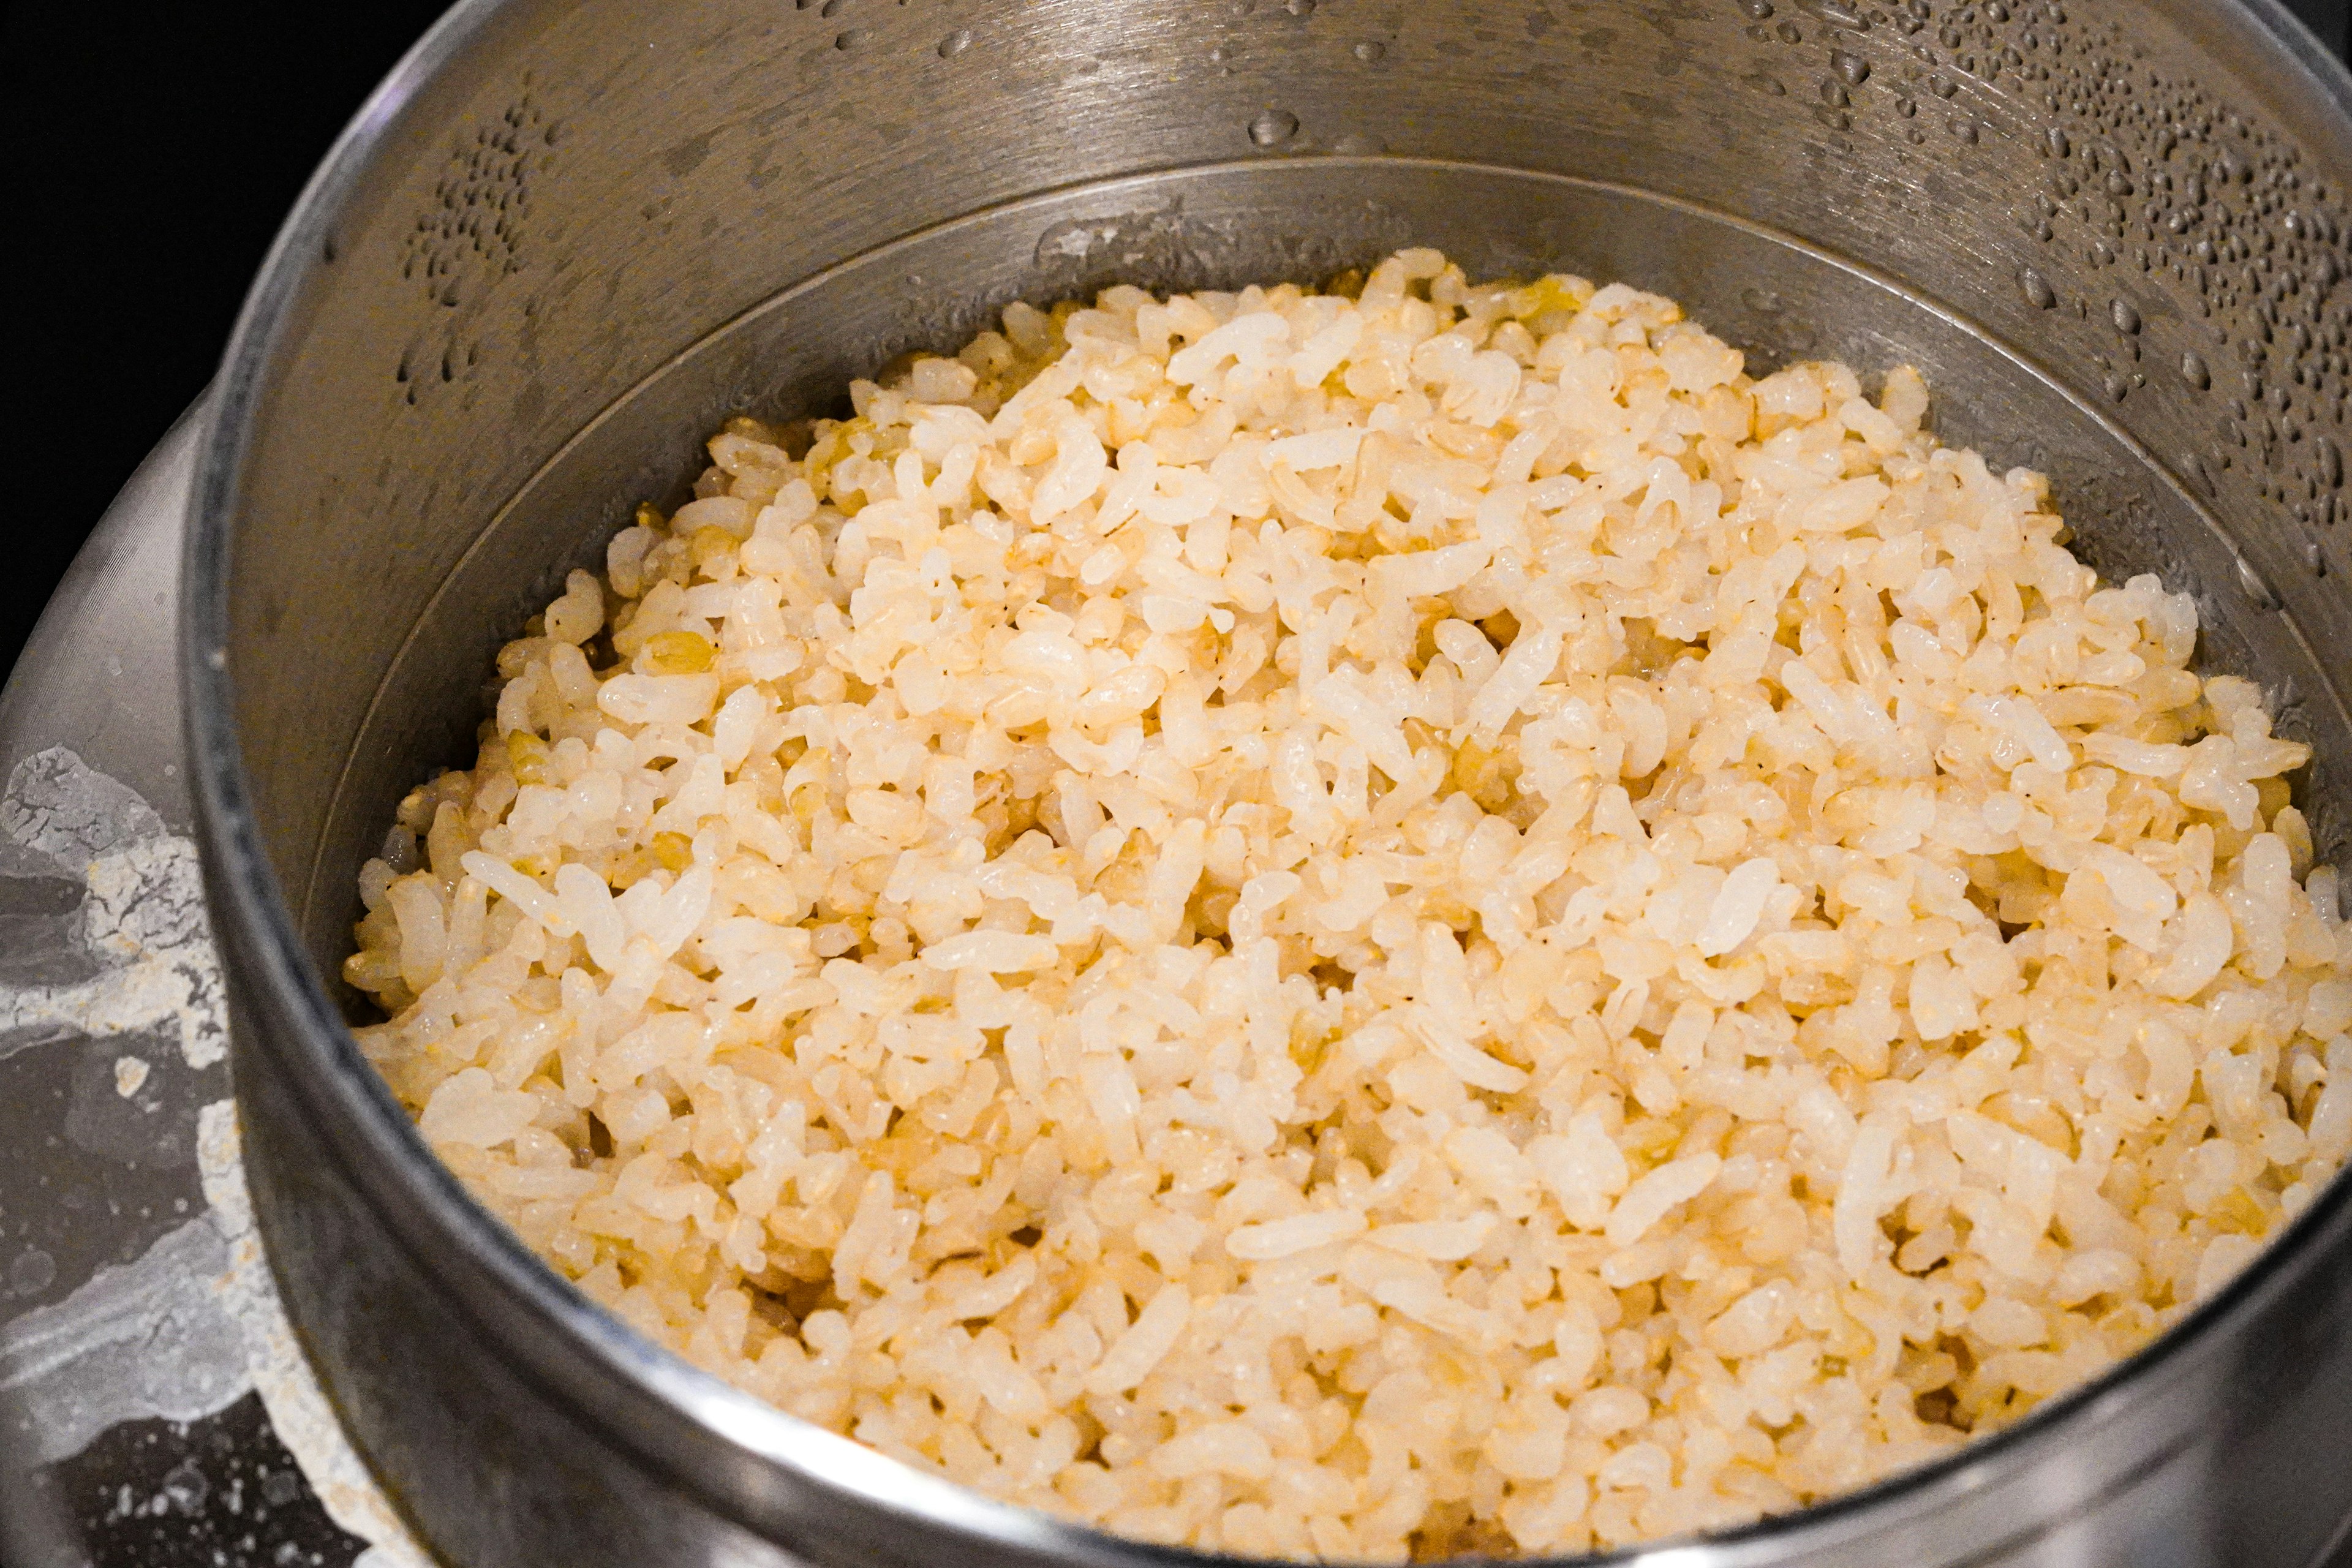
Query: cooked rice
point(1356, 927)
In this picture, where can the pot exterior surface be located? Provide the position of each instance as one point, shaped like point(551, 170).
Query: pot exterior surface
point(564, 240)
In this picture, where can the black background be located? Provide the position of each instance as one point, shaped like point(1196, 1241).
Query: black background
point(154, 148)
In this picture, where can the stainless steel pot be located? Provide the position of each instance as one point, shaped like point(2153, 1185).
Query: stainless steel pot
point(564, 239)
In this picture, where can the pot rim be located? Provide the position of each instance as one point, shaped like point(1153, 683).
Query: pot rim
point(430, 1212)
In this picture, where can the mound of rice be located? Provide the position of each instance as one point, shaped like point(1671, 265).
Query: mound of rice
point(1369, 923)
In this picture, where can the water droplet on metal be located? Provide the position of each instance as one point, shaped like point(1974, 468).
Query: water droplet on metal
point(2331, 463)
point(2264, 595)
point(853, 40)
point(1853, 68)
point(2117, 387)
point(1760, 9)
point(1372, 52)
point(1273, 128)
point(2123, 314)
point(2193, 371)
point(1966, 130)
point(955, 43)
point(34, 1270)
point(1353, 145)
point(1302, 9)
point(184, 1484)
point(2315, 559)
point(2037, 289)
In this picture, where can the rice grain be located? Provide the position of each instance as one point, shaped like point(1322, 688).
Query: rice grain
point(1323, 926)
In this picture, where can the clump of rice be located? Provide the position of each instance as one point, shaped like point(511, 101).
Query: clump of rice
point(1362, 926)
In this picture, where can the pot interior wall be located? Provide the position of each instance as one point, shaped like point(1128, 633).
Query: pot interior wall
point(1222, 227)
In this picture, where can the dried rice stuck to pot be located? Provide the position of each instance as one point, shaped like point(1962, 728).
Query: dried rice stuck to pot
point(1366, 926)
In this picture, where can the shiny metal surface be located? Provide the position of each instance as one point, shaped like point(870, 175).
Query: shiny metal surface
point(564, 239)
point(86, 680)
point(100, 671)
point(152, 1407)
